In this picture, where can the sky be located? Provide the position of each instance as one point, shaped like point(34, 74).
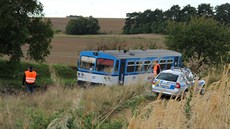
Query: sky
point(114, 8)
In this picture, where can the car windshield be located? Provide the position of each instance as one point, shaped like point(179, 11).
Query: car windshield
point(167, 77)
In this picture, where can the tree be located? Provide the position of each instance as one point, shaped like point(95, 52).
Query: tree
point(22, 24)
point(82, 25)
point(173, 13)
point(131, 23)
point(159, 23)
point(205, 10)
point(202, 39)
point(223, 13)
point(187, 13)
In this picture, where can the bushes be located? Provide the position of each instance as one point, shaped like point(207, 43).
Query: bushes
point(64, 74)
point(81, 26)
point(202, 40)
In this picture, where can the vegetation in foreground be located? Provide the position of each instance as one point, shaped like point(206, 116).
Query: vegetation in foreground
point(118, 107)
point(210, 111)
point(60, 107)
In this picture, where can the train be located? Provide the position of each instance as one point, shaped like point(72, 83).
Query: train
point(122, 67)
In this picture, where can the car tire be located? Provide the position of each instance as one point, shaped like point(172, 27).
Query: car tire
point(202, 91)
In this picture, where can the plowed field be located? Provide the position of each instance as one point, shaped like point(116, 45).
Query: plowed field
point(66, 48)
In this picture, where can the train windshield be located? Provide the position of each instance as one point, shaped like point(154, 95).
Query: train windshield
point(87, 62)
point(105, 65)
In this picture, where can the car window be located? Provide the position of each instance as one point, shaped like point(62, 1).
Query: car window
point(167, 77)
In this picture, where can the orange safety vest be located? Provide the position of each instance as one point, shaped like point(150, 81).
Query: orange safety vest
point(157, 68)
point(30, 76)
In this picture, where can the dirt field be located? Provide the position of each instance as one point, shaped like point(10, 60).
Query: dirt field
point(108, 25)
point(66, 48)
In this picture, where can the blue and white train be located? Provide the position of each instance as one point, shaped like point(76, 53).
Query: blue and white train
point(119, 67)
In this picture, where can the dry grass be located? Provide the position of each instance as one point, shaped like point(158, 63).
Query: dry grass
point(211, 111)
point(20, 108)
point(27, 111)
point(99, 104)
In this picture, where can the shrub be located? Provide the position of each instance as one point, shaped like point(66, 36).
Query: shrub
point(82, 25)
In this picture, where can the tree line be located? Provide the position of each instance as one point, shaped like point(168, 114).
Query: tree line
point(156, 21)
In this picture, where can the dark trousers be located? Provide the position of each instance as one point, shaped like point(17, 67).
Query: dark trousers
point(30, 88)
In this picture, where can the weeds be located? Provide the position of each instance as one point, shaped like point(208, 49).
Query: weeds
point(95, 107)
point(210, 111)
point(69, 108)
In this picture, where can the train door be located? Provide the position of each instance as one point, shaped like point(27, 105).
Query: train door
point(122, 71)
point(176, 62)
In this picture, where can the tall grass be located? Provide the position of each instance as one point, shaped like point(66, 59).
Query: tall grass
point(98, 107)
point(211, 111)
point(60, 107)
point(36, 110)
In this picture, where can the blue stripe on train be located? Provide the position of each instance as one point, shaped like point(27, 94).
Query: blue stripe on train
point(97, 73)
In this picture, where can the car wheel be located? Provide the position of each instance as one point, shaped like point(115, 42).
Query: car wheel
point(202, 91)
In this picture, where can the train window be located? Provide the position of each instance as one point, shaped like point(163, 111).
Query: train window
point(131, 66)
point(139, 65)
point(162, 61)
point(147, 65)
point(131, 63)
point(163, 64)
point(169, 60)
point(147, 62)
point(139, 62)
point(104, 65)
point(169, 63)
point(87, 62)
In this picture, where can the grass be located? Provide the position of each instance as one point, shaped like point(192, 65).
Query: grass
point(210, 111)
point(35, 111)
point(11, 75)
point(61, 107)
point(104, 107)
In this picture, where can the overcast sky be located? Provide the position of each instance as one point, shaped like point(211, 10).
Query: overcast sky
point(113, 8)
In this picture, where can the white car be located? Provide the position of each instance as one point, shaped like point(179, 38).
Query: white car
point(175, 81)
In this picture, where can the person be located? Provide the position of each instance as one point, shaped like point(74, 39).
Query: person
point(156, 68)
point(29, 79)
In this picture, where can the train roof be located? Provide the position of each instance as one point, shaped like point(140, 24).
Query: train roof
point(124, 54)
